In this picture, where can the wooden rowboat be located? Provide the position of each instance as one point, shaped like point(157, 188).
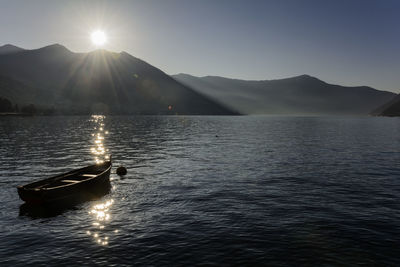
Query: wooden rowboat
point(72, 187)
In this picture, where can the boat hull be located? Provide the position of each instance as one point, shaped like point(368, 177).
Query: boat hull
point(88, 189)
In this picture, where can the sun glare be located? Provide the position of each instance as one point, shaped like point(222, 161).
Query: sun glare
point(98, 38)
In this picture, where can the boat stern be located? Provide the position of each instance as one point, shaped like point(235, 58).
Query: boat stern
point(30, 196)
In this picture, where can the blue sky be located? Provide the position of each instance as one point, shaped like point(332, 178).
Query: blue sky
point(353, 42)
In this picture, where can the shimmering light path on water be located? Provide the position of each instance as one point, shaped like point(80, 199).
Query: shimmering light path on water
point(208, 190)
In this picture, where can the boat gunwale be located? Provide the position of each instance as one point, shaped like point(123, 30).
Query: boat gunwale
point(58, 177)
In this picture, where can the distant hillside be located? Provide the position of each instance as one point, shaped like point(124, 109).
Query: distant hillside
point(99, 81)
point(18, 92)
point(302, 95)
point(9, 49)
point(390, 109)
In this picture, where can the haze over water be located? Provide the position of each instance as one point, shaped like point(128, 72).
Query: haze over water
point(208, 190)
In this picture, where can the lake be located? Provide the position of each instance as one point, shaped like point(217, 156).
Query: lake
point(204, 190)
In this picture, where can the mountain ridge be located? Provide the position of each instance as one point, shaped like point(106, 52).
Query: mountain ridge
point(300, 95)
point(118, 82)
point(9, 49)
point(389, 109)
point(302, 76)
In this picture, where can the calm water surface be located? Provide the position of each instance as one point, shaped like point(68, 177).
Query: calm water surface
point(208, 191)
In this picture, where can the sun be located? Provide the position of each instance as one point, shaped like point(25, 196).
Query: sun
point(98, 37)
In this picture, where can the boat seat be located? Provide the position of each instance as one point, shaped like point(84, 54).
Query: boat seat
point(69, 181)
point(88, 175)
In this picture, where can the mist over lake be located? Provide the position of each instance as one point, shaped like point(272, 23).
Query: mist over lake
point(218, 190)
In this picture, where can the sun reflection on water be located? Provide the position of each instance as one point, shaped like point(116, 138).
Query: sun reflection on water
point(98, 149)
point(100, 211)
point(101, 215)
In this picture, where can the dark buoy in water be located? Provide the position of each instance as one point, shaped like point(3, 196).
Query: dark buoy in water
point(121, 170)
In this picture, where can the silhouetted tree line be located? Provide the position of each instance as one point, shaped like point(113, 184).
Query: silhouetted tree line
point(29, 109)
point(7, 106)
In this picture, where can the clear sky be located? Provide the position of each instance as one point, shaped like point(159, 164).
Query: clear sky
point(348, 42)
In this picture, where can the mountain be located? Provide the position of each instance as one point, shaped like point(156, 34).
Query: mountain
point(18, 92)
point(98, 81)
point(9, 49)
point(301, 95)
point(390, 109)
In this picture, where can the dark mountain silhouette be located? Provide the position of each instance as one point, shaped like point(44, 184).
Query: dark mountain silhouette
point(390, 109)
point(18, 92)
point(9, 49)
point(302, 95)
point(99, 81)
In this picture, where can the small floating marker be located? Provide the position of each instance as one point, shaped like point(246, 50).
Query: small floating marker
point(121, 170)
